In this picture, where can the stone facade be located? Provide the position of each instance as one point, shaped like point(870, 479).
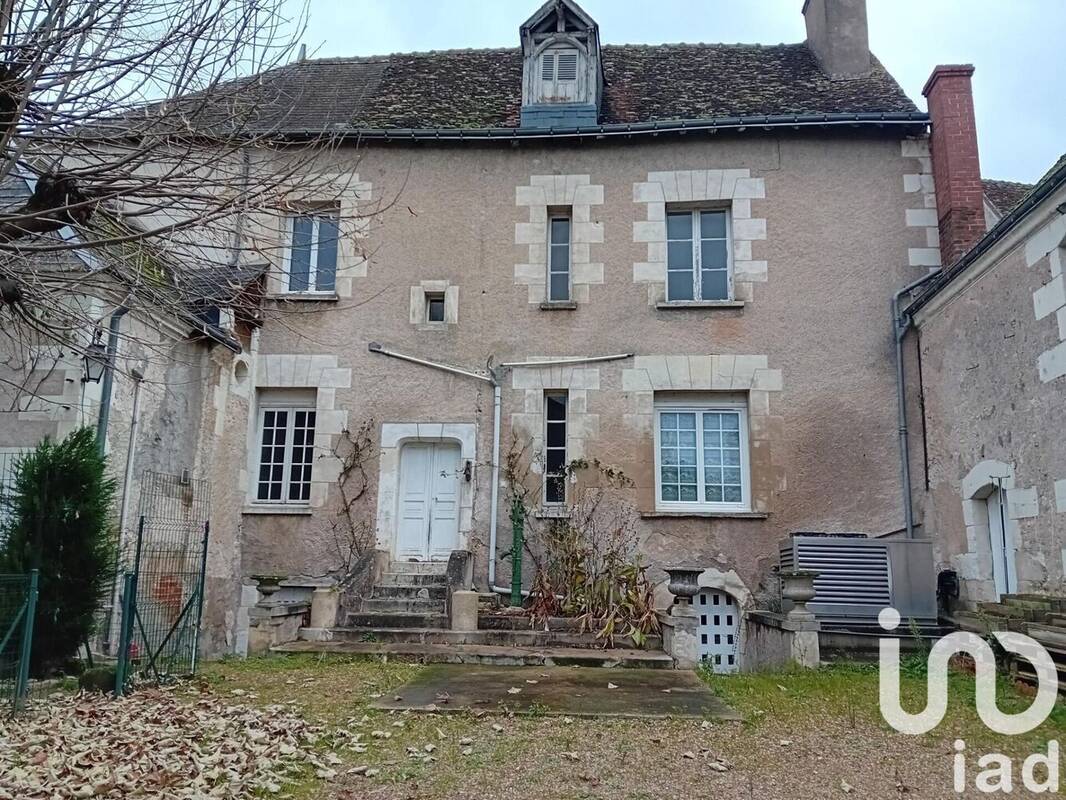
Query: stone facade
point(993, 392)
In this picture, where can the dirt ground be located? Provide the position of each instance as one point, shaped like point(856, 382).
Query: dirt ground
point(306, 728)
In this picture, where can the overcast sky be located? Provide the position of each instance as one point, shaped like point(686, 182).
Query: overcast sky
point(1016, 45)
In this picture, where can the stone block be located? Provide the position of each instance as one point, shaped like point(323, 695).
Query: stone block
point(749, 229)
point(1051, 364)
point(750, 271)
point(921, 217)
point(530, 196)
point(530, 232)
point(680, 636)
point(325, 603)
point(1060, 496)
point(587, 232)
point(1023, 503)
point(730, 177)
point(1050, 297)
point(749, 188)
point(635, 380)
point(650, 192)
point(588, 195)
point(768, 380)
point(340, 378)
point(645, 231)
point(741, 249)
point(741, 208)
point(923, 256)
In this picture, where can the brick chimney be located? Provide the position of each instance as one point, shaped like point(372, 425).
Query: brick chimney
point(956, 166)
point(838, 36)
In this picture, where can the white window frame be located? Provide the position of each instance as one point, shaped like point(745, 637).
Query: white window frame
point(745, 460)
point(548, 88)
point(565, 394)
point(315, 215)
point(697, 243)
point(286, 474)
point(569, 217)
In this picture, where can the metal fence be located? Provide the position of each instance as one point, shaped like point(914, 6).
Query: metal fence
point(18, 605)
point(163, 591)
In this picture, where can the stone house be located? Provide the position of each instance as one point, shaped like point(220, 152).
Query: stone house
point(989, 333)
point(675, 260)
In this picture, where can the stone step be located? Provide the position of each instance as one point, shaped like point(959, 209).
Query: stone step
point(498, 638)
point(411, 592)
point(412, 579)
point(373, 620)
point(516, 622)
point(419, 567)
point(487, 654)
point(1057, 620)
point(401, 605)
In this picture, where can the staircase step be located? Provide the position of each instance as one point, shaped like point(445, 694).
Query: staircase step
point(496, 638)
point(487, 654)
point(517, 622)
point(374, 620)
point(412, 579)
point(402, 605)
point(411, 592)
point(419, 567)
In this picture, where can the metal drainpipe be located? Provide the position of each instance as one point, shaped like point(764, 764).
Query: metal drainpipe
point(900, 325)
point(109, 379)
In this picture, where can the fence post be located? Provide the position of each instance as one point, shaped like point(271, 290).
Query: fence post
point(200, 597)
point(517, 543)
point(125, 637)
point(22, 679)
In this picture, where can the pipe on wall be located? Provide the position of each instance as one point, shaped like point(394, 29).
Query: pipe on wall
point(901, 323)
point(109, 378)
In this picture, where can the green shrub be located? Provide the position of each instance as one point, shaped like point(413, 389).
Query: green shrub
point(59, 522)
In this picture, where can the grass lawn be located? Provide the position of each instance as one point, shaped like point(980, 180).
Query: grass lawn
point(811, 734)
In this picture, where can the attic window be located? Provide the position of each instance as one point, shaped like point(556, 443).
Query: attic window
point(558, 76)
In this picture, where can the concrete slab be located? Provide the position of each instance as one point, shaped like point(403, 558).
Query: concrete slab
point(570, 691)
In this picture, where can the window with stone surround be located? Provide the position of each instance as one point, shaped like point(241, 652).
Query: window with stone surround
point(434, 306)
point(559, 256)
point(701, 457)
point(555, 412)
point(286, 438)
point(698, 263)
point(311, 255)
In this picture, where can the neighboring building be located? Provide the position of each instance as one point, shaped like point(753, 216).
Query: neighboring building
point(991, 331)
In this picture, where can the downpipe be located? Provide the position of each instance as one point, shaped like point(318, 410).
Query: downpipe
point(901, 323)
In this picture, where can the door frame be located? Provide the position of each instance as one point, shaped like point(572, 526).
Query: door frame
point(976, 488)
point(394, 435)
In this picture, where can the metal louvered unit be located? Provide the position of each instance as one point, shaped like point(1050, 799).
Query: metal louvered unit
point(859, 575)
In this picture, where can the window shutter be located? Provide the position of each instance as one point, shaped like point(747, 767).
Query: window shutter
point(567, 66)
point(547, 67)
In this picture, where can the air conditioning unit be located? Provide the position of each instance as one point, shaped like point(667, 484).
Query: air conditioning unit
point(859, 575)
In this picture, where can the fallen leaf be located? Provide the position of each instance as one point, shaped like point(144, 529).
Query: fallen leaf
point(514, 690)
point(611, 685)
point(846, 787)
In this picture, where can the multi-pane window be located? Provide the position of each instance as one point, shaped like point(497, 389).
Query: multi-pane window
point(555, 448)
point(559, 258)
point(435, 307)
point(558, 75)
point(286, 454)
point(312, 254)
point(697, 256)
point(701, 458)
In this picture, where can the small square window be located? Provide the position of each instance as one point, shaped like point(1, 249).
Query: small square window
point(435, 307)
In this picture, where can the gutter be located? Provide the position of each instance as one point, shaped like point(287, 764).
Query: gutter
point(901, 323)
point(889, 119)
point(109, 378)
point(493, 379)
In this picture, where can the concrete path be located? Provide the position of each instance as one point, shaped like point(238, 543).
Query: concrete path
point(570, 691)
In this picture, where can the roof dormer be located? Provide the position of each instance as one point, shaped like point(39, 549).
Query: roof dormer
point(561, 71)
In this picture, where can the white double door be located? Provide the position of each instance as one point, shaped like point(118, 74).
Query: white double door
point(429, 501)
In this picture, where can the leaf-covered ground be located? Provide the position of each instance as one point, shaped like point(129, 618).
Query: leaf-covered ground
point(301, 727)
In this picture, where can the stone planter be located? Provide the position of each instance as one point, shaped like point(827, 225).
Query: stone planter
point(684, 583)
point(267, 585)
point(798, 587)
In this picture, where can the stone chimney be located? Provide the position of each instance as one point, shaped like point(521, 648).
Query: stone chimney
point(838, 36)
point(956, 166)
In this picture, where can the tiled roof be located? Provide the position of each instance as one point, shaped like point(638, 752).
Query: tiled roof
point(469, 89)
point(1004, 195)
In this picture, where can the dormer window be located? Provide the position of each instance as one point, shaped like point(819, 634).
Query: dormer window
point(558, 76)
point(562, 77)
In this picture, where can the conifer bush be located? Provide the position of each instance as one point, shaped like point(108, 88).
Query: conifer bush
point(59, 521)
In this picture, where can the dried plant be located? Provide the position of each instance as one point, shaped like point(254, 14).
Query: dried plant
point(352, 531)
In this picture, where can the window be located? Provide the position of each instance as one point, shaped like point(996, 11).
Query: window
point(559, 258)
point(286, 453)
point(558, 75)
point(311, 263)
point(435, 307)
point(698, 256)
point(555, 448)
point(702, 458)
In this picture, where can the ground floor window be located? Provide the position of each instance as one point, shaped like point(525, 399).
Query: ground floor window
point(286, 453)
point(701, 458)
point(555, 448)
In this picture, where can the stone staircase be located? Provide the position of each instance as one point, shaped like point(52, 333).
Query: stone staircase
point(1042, 617)
point(406, 616)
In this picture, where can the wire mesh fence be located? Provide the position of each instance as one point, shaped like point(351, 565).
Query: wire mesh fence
point(163, 591)
point(18, 596)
